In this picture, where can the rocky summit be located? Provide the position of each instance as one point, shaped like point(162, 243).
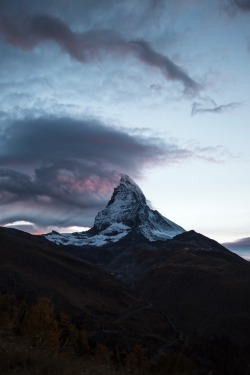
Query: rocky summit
point(127, 212)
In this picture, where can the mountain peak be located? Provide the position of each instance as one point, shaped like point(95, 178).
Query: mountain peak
point(127, 190)
point(127, 211)
point(127, 181)
point(127, 199)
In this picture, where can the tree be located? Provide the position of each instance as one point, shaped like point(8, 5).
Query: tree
point(72, 339)
point(41, 326)
point(103, 355)
point(7, 311)
point(136, 362)
point(175, 364)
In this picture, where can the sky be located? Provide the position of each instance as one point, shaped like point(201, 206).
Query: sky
point(155, 89)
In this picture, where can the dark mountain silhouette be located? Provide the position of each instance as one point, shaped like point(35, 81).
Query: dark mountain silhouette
point(181, 293)
point(32, 267)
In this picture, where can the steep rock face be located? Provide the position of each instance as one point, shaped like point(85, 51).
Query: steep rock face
point(126, 211)
point(123, 207)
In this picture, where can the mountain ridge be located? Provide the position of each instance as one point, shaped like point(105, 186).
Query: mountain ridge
point(127, 211)
point(190, 296)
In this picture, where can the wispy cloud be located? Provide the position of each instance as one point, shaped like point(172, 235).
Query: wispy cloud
point(208, 105)
point(29, 31)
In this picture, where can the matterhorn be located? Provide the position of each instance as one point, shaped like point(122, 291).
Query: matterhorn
point(127, 213)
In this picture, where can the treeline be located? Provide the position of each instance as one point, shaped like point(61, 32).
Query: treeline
point(40, 326)
point(36, 340)
point(37, 336)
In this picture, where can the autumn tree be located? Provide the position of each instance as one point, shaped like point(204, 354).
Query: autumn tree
point(135, 362)
point(175, 364)
point(7, 311)
point(72, 339)
point(41, 326)
point(103, 355)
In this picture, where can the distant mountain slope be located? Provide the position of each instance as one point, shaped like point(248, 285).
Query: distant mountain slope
point(204, 289)
point(126, 212)
point(240, 247)
point(196, 282)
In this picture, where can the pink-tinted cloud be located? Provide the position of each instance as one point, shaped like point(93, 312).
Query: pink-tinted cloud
point(67, 168)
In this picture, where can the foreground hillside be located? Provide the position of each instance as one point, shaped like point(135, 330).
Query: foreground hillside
point(32, 267)
point(184, 300)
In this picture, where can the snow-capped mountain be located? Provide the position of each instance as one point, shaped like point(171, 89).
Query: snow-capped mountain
point(126, 212)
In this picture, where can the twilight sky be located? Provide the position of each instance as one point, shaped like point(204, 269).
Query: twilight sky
point(156, 89)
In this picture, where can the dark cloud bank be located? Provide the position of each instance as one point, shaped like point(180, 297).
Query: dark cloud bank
point(27, 32)
point(62, 171)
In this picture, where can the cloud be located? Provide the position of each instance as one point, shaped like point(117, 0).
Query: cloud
point(62, 140)
point(94, 45)
point(210, 106)
point(240, 242)
point(243, 5)
point(240, 247)
point(61, 172)
point(234, 6)
point(25, 226)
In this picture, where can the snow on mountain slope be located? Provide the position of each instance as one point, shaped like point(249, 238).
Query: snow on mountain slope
point(127, 210)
